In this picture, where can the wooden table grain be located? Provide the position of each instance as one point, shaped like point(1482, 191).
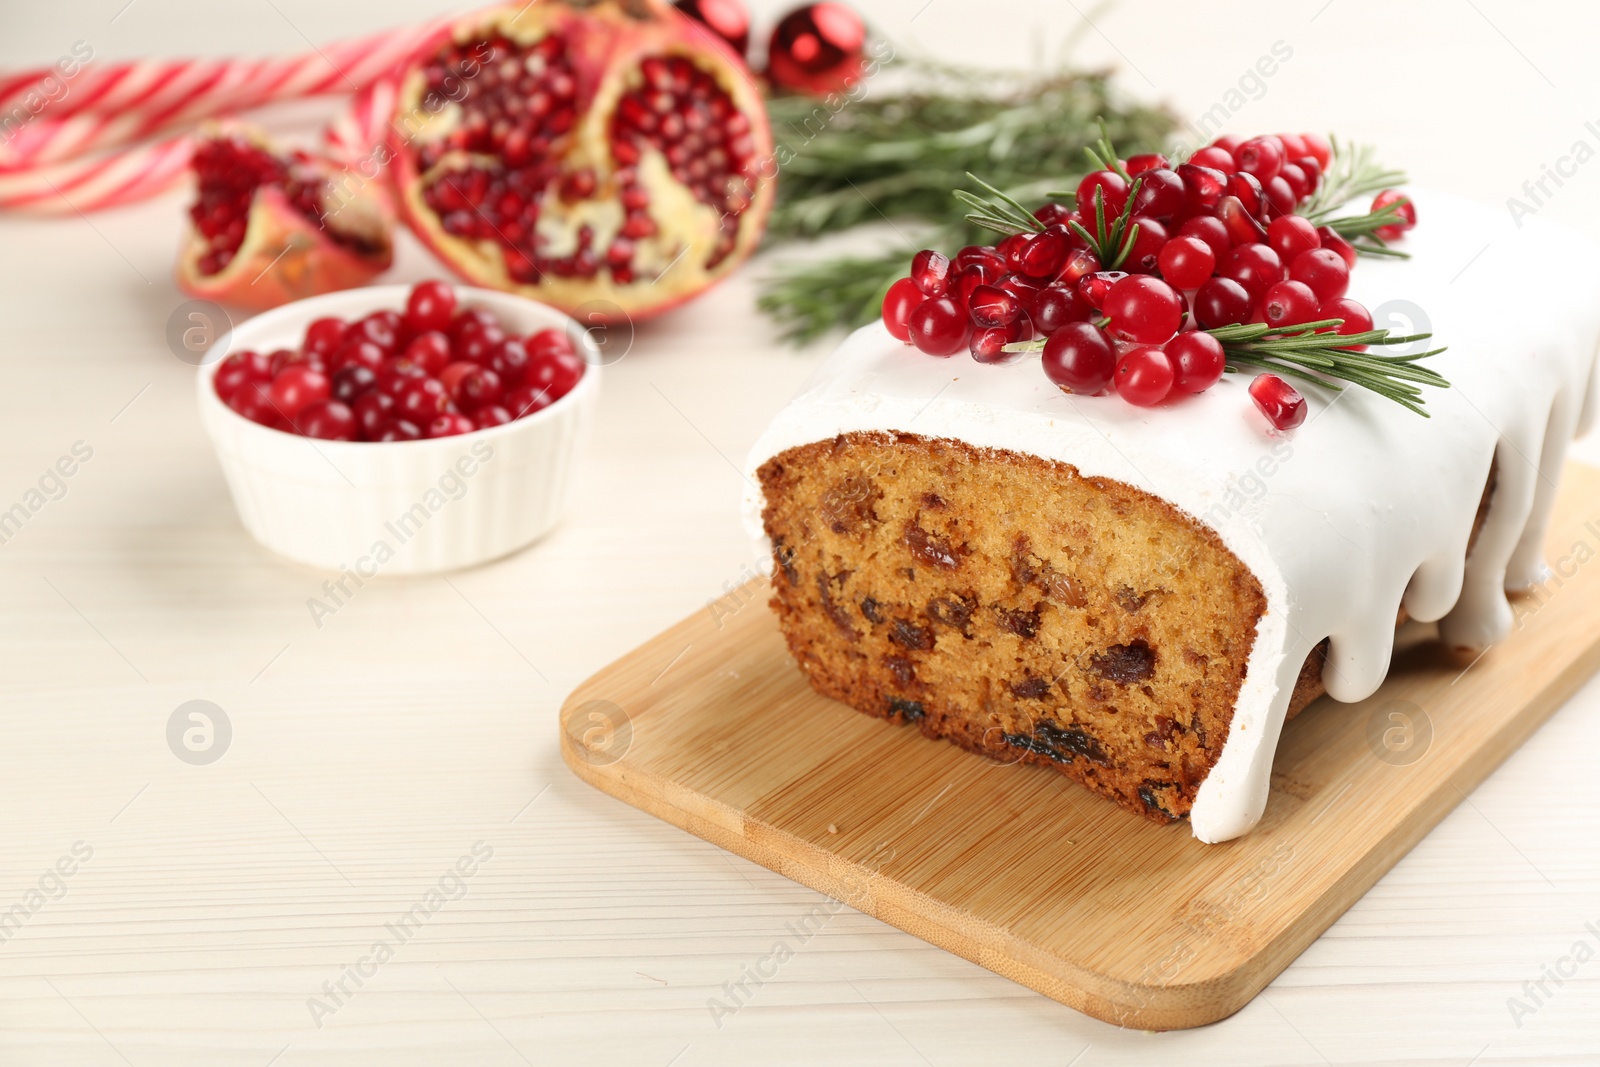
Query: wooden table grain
point(390, 865)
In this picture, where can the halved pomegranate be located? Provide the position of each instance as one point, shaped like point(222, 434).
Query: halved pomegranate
point(268, 228)
point(579, 151)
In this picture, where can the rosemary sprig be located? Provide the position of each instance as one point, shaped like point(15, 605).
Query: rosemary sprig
point(1313, 353)
point(1354, 173)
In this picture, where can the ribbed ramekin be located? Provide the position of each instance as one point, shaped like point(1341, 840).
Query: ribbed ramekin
point(407, 507)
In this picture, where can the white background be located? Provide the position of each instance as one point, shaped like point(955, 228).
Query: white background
point(370, 753)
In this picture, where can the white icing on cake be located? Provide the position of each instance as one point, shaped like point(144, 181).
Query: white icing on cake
point(1365, 507)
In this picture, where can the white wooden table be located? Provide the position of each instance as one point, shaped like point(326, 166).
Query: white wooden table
point(210, 909)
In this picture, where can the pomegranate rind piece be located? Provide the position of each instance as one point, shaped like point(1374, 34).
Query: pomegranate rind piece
point(606, 42)
point(286, 256)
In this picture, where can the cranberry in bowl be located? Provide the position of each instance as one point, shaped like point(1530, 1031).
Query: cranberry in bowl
point(400, 429)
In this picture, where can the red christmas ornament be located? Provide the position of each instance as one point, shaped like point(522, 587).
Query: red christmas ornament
point(817, 49)
point(728, 19)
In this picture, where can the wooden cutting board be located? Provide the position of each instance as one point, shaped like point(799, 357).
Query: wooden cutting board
point(711, 727)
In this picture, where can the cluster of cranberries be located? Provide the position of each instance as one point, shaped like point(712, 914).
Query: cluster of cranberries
point(434, 370)
point(1218, 243)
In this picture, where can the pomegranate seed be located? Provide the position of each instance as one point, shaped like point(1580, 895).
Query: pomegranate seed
point(1243, 229)
point(1057, 306)
point(1279, 401)
point(1212, 231)
point(1291, 235)
point(1215, 157)
point(991, 306)
point(1112, 189)
point(1094, 287)
point(1197, 359)
point(430, 307)
point(898, 303)
point(1280, 198)
point(298, 387)
point(1143, 310)
point(1289, 303)
point(1186, 262)
point(1254, 266)
point(1044, 256)
point(1026, 291)
point(1332, 241)
point(1222, 302)
point(1144, 376)
point(1248, 190)
point(323, 336)
point(939, 327)
point(930, 271)
point(1323, 271)
point(1010, 250)
point(1260, 156)
point(988, 343)
point(1161, 195)
point(981, 255)
point(1202, 187)
point(1408, 213)
point(1080, 261)
point(1079, 358)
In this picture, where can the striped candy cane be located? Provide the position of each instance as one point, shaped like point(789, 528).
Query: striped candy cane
point(72, 157)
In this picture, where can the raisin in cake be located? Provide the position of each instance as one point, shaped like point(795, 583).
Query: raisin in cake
point(1140, 597)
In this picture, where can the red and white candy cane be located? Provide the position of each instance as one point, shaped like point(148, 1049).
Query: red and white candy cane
point(71, 157)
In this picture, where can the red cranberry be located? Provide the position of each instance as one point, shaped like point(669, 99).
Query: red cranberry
point(1143, 310)
point(939, 327)
point(1323, 271)
point(1228, 142)
point(1254, 266)
point(468, 320)
point(298, 387)
point(1222, 302)
point(1161, 195)
point(1079, 358)
point(352, 381)
point(1112, 189)
point(1261, 156)
point(1197, 359)
point(1291, 235)
point(1212, 231)
point(1144, 254)
point(281, 359)
point(1058, 305)
point(1280, 198)
point(555, 374)
point(1279, 401)
point(1215, 157)
point(1408, 213)
point(478, 387)
point(449, 424)
point(430, 351)
point(399, 430)
point(510, 361)
point(1313, 172)
point(477, 345)
point(358, 352)
point(430, 307)
point(1317, 148)
point(328, 420)
point(253, 400)
point(1294, 146)
point(323, 336)
point(1355, 316)
point(930, 271)
point(1051, 214)
point(550, 342)
point(1144, 376)
point(372, 413)
point(898, 303)
point(1186, 262)
point(1332, 241)
point(421, 399)
point(491, 415)
point(382, 328)
point(1296, 180)
point(525, 400)
point(1289, 304)
point(239, 370)
point(395, 374)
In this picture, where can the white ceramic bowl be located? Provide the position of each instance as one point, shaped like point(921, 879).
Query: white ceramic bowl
point(407, 507)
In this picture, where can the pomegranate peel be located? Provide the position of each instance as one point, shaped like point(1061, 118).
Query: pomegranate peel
point(267, 228)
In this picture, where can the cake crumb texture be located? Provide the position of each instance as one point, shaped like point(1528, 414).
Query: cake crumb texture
point(1014, 607)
